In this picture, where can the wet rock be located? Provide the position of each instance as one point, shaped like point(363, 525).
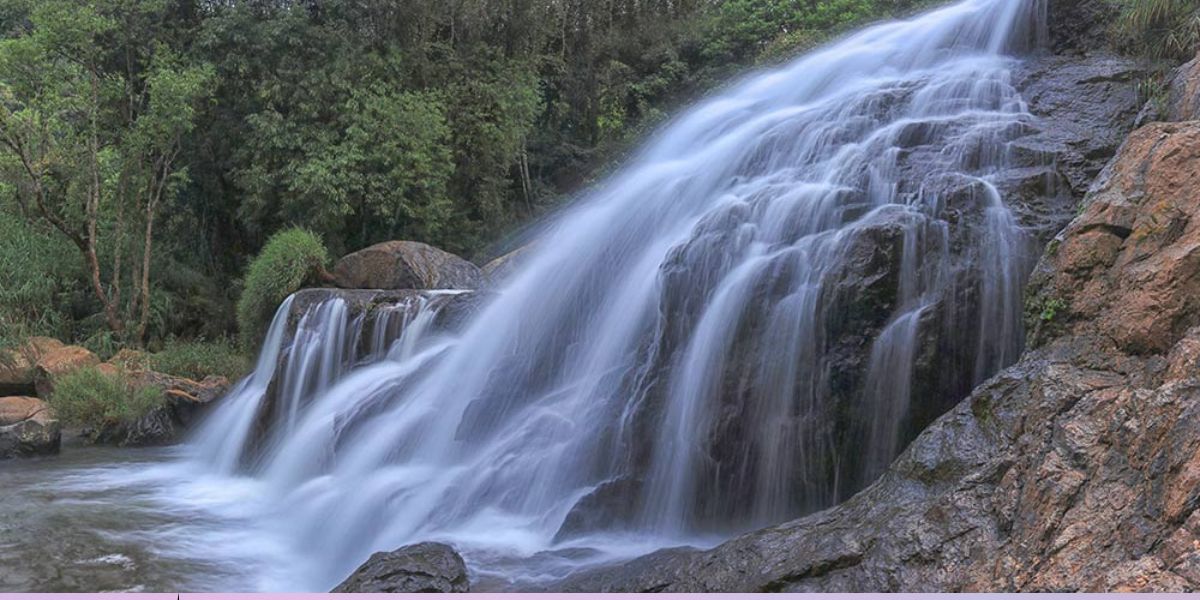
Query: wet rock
point(426, 567)
point(606, 507)
point(17, 365)
point(1085, 108)
point(27, 428)
point(58, 362)
point(1184, 95)
point(402, 265)
point(1077, 469)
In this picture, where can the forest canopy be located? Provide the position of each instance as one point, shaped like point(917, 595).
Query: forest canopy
point(149, 148)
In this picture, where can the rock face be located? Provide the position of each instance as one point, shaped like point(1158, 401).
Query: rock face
point(17, 365)
point(1087, 106)
point(1077, 469)
point(1083, 106)
point(27, 428)
point(1184, 96)
point(426, 567)
point(401, 265)
point(59, 362)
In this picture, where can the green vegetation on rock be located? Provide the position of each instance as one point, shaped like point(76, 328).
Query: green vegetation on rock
point(200, 359)
point(93, 398)
point(1159, 28)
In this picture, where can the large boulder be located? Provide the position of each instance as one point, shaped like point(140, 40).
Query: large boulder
point(59, 362)
point(426, 567)
point(27, 428)
point(17, 365)
point(1183, 103)
point(1077, 469)
point(401, 265)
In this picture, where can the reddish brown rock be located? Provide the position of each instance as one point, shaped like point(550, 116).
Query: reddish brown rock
point(17, 365)
point(1134, 253)
point(27, 428)
point(59, 362)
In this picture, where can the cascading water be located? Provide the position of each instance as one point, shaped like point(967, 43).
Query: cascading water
point(736, 329)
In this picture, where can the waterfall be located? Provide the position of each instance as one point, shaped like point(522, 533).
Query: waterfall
point(745, 324)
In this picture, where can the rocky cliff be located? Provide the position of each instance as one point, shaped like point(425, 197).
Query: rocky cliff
point(1077, 469)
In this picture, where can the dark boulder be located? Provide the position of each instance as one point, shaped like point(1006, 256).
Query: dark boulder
point(27, 428)
point(402, 265)
point(420, 568)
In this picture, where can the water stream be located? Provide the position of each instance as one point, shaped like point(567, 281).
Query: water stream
point(734, 330)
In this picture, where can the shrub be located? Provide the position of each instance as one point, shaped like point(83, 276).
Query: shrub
point(289, 258)
point(199, 359)
point(92, 398)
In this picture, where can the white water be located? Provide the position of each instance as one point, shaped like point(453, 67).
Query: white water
point(672, 339)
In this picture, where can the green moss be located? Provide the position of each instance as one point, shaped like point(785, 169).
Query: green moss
point(289, 259)
point(1053, 247)
point(1050, 309)
point(92, 398)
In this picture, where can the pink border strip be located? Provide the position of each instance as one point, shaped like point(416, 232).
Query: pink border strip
point(545, 596)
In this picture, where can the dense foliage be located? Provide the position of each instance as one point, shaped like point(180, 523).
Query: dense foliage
point(93, 398)
point(199, 359)
point(290, 258)
point(148, 148)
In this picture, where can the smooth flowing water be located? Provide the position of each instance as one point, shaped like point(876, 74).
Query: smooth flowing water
point(736, 329)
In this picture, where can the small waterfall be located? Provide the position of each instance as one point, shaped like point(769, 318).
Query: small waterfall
point(744, 325)
point(224, 435)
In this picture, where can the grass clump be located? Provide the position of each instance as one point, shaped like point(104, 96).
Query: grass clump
point(92, 398)
point(199, 359)
point(289, 259)
point(1159, 28)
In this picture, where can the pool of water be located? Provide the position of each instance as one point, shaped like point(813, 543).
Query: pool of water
point(98, 519)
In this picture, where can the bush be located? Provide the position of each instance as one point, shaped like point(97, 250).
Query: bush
point(197, 360)
point(92, 398)
point(290, 258)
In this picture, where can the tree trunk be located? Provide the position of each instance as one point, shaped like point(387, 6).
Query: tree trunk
point(147, 248)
